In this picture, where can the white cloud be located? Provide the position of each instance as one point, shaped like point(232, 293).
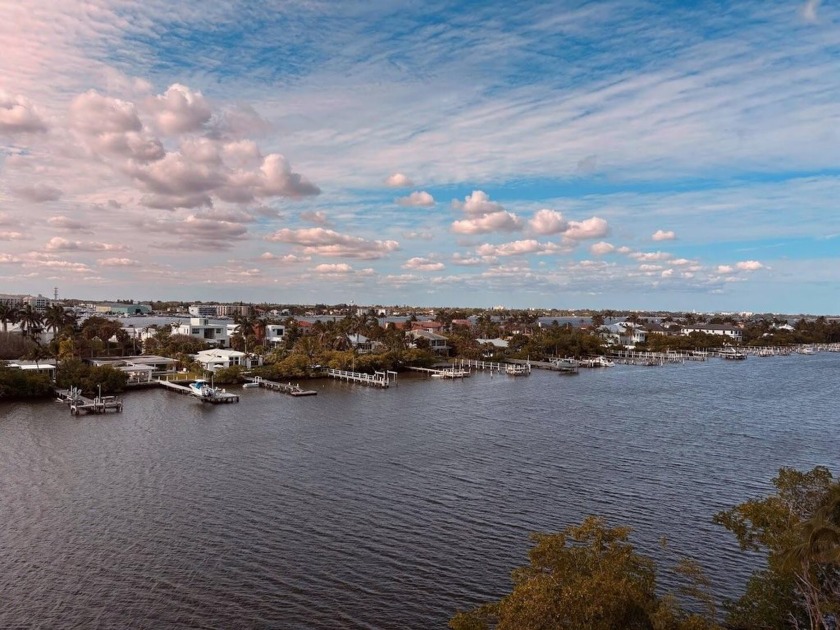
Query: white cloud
point(494, 222)
point(57, 243)
point(725, 269)
point(423, 264)
point(601, 248)
point(662, 235)
point(594, 227)
point(322, 242)
point(651, 256)
point(336, 268)
point(12, 236)
point(179, 110)
point(515, 248)
point(398, 180)
point(18, 115)
point(749, 265)
point(417, 199)
point(118, 262)
point(477, 204)
point(548, 222)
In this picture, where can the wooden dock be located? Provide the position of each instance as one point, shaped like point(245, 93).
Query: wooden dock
point(479, 364)
point(81, 404)
point(377, 379)
point(283, 388)
point(450, 373)
point(218, 398)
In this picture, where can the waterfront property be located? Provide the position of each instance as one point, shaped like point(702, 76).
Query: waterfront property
point(201, 328)
point(215, 359)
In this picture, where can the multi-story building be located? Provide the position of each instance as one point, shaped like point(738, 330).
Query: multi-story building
point(229, 310)
point(201, 328)
point(38, 302)
point(204, 310)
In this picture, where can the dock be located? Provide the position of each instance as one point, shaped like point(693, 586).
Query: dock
point(219, 397)
point(377, 379)
point(480, 364)
point(553, 366)
point(82, 404)
point(283, 388)
point(450, 373)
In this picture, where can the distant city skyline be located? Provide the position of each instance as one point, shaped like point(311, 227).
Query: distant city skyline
point(537, 155)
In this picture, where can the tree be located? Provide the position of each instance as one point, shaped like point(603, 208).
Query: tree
point(31, 322)
point(798, 528)
point(9, 314)
point(587, 576)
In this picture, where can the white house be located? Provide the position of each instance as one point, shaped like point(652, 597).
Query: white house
point(215, 359)
point(624, 334)
point(733, 332)
point(274, 333)
point(201, 328)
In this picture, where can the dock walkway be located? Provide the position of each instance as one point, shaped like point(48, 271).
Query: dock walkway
point(283, 388)
point(79, 403)
point(219, 396)
point(441, 372)
point(377, 379)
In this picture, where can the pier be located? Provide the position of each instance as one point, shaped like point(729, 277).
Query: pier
point(377, 379)
point(79, 403)
point(442, 373)
point(283, 388)
point(219, 396)
point(473, 364)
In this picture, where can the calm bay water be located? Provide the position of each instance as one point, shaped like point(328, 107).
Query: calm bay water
point(362, 508)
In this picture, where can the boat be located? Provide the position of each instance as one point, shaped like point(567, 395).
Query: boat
point(250, 385)
point(732, 354)
point(517, 370)
point(807, 350)
point(566, 365)
point(597, 362)
point(202, 389)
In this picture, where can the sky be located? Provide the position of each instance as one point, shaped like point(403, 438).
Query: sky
point(611, 154)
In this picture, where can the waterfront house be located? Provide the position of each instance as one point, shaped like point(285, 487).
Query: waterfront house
point(624, 334)
point(216, 358)
point(46, 366)
point(201, 328)
point(437, 343)
point(724, 330)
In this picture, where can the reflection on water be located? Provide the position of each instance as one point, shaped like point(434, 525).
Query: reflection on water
point(363, 508)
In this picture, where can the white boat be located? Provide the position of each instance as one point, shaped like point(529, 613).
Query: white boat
point(732, 354)
point(202, 389)
point(565, 365)
point(807, 350)
point(597, 362)
point(517, 370)
point(250, 385)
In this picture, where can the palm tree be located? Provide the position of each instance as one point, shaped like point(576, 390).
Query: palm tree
point(9, 314)
point(55, 317)
point(31, 321)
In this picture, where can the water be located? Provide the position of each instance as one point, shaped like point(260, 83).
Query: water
point(362, 508)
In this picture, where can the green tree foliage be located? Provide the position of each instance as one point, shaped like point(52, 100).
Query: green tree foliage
point(798, 528)
point(586, 577)
point(75, 373)
point(20, 384)
point(228, 376)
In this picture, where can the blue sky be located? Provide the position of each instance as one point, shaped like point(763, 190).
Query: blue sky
point(567, 154)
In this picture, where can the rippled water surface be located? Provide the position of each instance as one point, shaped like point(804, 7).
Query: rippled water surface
point(363, 508)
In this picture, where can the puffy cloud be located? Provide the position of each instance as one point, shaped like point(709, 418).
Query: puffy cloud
point(749, 265)
point(288, 258)
point(179, 110)
point(334, 268)
point(601, 248)
point(466, 261)
point(323, 242)
point(398, 180)
point(547, 222)
point(18, 115)
point(725, 269)
point(477, 204)
point(667, 273)
point(594, 227)
point(417, 199)
point(515, 248)
point(38, 193)
point(58, 244)
point(66, 223)
point(423, 264)
point(278, 180)
point(12, 236)
point(662, 235)
point(92, 113)
point(502, 221)
point(118, 262)
point(651, 256)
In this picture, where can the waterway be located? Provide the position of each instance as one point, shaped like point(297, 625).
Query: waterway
point(367, 508)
